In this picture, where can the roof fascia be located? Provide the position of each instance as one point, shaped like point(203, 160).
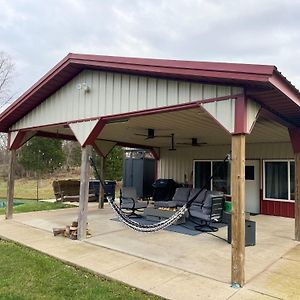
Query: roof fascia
point(286, 88)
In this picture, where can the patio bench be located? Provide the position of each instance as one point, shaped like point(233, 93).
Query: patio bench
point(68, 190)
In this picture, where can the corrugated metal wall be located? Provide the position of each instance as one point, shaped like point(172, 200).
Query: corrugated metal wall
point(114, 93)
point(174, 164)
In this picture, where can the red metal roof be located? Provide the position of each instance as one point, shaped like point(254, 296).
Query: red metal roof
point(263, 82)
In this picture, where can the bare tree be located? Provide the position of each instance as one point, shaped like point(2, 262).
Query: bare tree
point(6, 72)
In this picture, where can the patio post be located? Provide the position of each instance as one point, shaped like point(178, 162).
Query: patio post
point(101, 189)
point(295, 140)
point(297, 196)
point(238, 209)
point(10, 184)
point(84, 192)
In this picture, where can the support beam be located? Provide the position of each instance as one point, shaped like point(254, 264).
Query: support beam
point(101, 190)
point(297, 197)
point(295, 140)
point(238, 210)
point(84, 192)
point(10, 184)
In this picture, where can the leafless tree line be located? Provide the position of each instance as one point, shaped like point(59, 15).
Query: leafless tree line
point(6, 73)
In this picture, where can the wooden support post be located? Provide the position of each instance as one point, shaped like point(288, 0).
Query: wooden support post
point(101, 190)
point(238, 210)
point(84, 192)
point(10, 184)
point(297, 197)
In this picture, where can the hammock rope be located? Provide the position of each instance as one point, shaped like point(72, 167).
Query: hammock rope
point(150, 227)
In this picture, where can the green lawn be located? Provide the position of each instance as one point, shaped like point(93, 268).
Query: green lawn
point(28, 274)
point(26, 188)
point(33, 205)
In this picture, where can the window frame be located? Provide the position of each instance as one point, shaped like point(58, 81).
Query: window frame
point(288, 161)
point(211, 171)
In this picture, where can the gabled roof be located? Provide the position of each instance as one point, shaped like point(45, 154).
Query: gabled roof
point(263, 82)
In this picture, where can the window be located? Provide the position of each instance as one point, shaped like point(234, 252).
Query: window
point(279, 180)
point(203, 170)
point(249, 173)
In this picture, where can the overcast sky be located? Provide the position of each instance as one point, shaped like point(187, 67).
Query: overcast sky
point(37, 34)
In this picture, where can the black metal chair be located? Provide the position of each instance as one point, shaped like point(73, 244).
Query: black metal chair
point(130, 201)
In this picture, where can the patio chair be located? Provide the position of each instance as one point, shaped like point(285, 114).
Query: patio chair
point(129, 201)
point(180, 198)
point(208, 209)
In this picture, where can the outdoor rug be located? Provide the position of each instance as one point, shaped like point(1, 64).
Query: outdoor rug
point(187, 228)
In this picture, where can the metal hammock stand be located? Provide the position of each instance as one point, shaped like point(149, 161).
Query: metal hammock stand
point(156, 226)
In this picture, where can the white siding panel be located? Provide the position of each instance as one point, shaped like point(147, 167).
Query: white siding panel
point(125, 93)
point(82, 130)
point(133, 93)
point(105, 146)
point(172, 94)
point(13, 136)
point(223, 91)
point(151, 93)
point(114, 93)
point(117, 93)
point(161, 92)
point(252, 111)
point(184, 92)
point(269, 151)
point(102, 104)
point(196, 91)
point(223, 112)
point(93, 101)
point(109, 94)
point(209, 91)
point(142, 93)
point(174, 164)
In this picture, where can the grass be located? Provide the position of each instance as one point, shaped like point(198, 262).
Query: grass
point(28, 274)
point(26, 188)
point(33, 205)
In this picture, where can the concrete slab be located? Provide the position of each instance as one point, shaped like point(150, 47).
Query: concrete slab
point(105, 261)
point(145, 274)
point(293, 254)
point(245, 294)
point(190, 286)
point(282, 280)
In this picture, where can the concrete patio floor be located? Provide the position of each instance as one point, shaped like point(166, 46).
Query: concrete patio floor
point(170, 264)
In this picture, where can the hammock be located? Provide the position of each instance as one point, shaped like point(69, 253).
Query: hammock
point(150, 227)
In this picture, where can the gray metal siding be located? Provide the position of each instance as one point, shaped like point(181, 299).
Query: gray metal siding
point(174, 164)
point(114, 93)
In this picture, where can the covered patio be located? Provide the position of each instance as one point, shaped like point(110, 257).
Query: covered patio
point(250, 111)
point(171, 259)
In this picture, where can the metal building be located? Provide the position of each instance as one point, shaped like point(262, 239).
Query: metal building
point(203, 110)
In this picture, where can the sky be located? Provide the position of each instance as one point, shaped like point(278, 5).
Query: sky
point(38, 34)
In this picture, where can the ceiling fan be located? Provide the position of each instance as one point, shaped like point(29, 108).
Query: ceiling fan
point(172, 143)
point(194, 143)
point(151, 134)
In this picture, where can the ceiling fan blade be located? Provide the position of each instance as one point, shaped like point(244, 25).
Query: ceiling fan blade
point(140, 134)
point(162, 136)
